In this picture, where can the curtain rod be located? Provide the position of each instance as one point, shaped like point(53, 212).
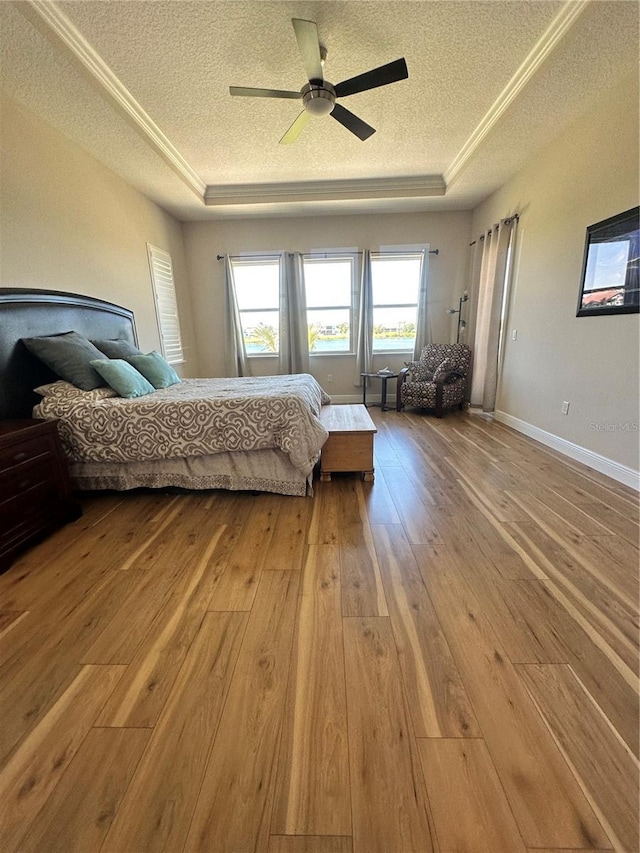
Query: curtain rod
point(327, 254)
point(507, 221)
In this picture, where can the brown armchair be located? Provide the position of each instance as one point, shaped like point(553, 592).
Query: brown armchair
point(438, 380)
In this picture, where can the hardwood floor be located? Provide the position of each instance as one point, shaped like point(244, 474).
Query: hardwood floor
point(443, 660)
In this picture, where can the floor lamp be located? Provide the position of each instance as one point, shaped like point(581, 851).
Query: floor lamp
point(462, 323)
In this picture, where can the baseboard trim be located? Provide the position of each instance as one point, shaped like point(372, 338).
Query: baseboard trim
point(618, 472)
point(350, 399)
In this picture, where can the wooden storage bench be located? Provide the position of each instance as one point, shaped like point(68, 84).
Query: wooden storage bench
point(350, 443)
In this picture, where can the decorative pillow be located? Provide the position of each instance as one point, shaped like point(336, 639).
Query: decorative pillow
point(53, 388)
point(418, 373)
point(69, 355)
point(66, 389)
point(443, 368)
point(154, 368)
point(122, 377)
point(117, 348)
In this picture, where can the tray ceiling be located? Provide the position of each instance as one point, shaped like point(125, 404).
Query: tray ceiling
point(143, 86)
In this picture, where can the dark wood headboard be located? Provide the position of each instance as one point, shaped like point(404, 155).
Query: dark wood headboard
point(31, 313)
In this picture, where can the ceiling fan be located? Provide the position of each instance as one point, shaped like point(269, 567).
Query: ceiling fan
point(318, 95)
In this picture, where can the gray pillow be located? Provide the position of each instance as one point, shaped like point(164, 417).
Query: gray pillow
point(69, 356)
point(117, 348)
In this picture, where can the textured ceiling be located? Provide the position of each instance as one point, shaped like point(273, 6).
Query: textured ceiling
point(175, 60)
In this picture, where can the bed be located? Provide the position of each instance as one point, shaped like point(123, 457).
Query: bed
point(259, 434)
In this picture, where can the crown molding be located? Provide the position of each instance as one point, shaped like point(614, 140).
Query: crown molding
point(556, 30)
point(48, 12)
point(233, 194)
point(370, 188)
point(64, 29)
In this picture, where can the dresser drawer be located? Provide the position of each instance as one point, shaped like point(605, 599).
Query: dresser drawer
point(33, 448)
point(26, 476)
point(35, 492)
point(28, 528)
point(36, 495)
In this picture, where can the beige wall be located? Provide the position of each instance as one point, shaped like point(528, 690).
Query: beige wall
point(588, 174)
point(448, 232)
point(69, 223)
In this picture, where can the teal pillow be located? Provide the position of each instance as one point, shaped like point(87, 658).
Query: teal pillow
point(154, 368)
point(122, 377)
point(69, 355)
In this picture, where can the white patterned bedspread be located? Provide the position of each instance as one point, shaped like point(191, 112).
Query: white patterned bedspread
point(194, 418)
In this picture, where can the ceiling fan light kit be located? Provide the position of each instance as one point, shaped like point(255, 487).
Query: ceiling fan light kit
point(318, 100)
point(318, 95)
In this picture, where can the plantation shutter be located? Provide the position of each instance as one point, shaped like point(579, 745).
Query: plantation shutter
point(164, 294)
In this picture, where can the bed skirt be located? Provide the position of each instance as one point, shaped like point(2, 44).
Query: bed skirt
point(266, 470)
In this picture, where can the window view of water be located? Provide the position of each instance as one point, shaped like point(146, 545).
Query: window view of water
point(379, 345)
point(393, 344)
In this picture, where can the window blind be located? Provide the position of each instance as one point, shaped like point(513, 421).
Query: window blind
point(164, 295)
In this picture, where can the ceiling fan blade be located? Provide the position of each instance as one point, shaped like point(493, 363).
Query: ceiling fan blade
point(309, 44)
point(296, 128)
point(247, 92)
point(346, 118)
point(381, 76)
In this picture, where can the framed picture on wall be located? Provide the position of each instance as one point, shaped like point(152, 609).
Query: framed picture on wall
point(610, 270)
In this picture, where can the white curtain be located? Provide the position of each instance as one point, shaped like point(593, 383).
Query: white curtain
point(294, 331)
point(237, 363)
point(490, 265)
point(364, 320)
point(423, 325)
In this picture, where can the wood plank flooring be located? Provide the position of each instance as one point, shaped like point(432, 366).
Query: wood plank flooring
point(443, 660)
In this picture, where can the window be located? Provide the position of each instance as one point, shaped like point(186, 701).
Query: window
point(257, 284)
point(395, 283)
point(610, 282)
point(164, 295)
point(328, 286)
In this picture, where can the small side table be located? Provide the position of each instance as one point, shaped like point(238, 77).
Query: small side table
point(383, 396)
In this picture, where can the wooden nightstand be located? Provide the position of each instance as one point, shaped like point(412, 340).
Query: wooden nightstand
point(35, 491)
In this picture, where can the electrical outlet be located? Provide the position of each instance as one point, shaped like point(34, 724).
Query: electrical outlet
point(565, 407)
point(329, 377)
